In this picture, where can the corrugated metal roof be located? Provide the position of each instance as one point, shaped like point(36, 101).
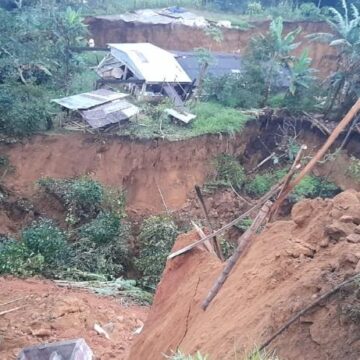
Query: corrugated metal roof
point(150, 63)
point(221, 64)
point(111, 113)
point(89, 99)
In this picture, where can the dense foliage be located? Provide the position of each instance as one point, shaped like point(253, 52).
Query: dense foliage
point(36, 62)
point(270, 71)
point(229, 171)
point(42, 249)
point(97, 243)
point(81, 197)
point(156, 239)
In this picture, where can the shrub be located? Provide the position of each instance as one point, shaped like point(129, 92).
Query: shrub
point(228, 170)
point(44, 238)
point(24, 109)
point(16, 259)
point(157, 237)
point(310, 10)
point(82, 197)
point(260, 184)
point(227, 248)
point(312, 187)
point(354, 169)
point(103, 246)
point(254, 8)
point(41, 249)
point(235, 90)
point(101, 230)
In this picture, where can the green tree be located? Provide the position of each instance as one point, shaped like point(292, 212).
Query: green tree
point(273, 52)
point(344, 83)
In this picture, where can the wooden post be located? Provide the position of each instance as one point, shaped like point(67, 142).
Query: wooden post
point(243, 244)
point(215, 241)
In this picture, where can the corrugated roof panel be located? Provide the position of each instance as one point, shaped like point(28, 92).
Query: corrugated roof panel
point(150, 63)
point(89, 99)
point(110, 113)
point(220, 65)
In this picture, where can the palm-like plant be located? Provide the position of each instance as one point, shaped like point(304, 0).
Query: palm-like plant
point(301, 73)
point(274, 51)
point(345, 81)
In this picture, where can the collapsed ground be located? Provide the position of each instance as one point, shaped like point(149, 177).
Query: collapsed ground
point(76, 206)
point(288, 266)
point(153, 175)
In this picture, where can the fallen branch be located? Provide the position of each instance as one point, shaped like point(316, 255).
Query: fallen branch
point(331, 139)
point(306, 309)
point(243, 244)
point(12, 301)
point(262, 162)
point(206, 214)
point(239, 196)
point(11, 310)
point(318, 124)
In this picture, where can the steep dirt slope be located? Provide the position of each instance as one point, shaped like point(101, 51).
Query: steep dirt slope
point(49, 313)
point(140, 167)
point(288, 266)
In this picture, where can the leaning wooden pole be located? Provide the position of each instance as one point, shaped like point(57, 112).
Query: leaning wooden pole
point(243, 244)
point(215, 241)
point(331, 139)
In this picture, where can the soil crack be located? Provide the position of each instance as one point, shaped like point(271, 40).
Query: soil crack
point(188, 315)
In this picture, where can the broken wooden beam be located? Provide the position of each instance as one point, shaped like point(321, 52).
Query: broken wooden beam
point(209, 247)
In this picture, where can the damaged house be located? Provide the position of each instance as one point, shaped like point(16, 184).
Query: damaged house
point(149, 73)
point(99, 108)
point(146, 70)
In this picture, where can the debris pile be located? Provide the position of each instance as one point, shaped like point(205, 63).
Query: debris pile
point(34, 312)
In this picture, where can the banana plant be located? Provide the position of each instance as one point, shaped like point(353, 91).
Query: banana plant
point(301, 73)
point(344, 83)
point(274, 50)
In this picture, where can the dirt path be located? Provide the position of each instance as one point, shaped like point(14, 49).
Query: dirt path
point(50, 313)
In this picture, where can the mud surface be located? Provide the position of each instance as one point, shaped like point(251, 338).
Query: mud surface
point(48, 313)
point(288, 266)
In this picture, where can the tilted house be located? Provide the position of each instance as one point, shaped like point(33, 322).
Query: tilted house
point(146, 68)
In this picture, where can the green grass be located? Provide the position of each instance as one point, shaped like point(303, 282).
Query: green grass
point(211, 119)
